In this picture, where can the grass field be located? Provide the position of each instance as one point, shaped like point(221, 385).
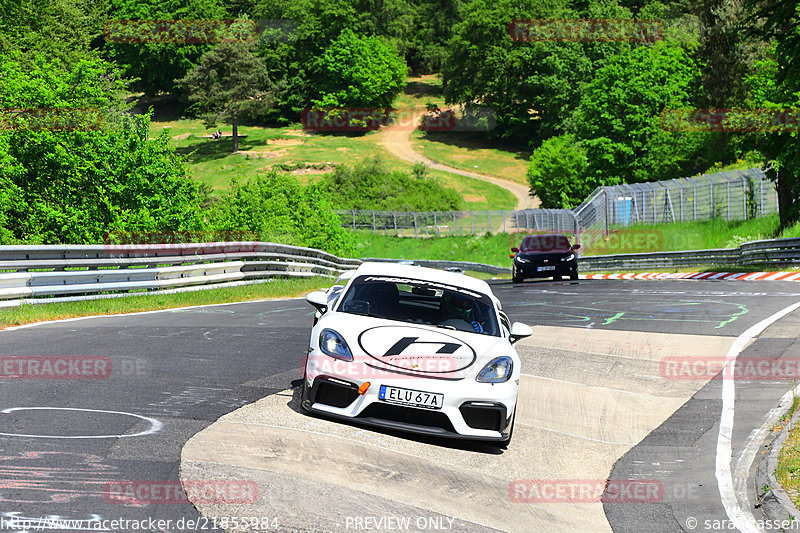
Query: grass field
point(471, 151)
point(279, 288)
point(213, 163)
point(495, 249)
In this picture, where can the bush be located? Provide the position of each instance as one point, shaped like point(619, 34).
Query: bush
point(278, 208)
point(369, 185)
point(557, 173)
point(359, 71)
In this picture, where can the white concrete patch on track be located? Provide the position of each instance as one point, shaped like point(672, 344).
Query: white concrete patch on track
point(586, 398)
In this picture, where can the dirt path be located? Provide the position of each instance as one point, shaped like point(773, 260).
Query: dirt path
point(397, 140)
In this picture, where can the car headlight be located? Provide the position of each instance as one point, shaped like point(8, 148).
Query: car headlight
point(519, 259)
point(570, 257)
point(332, 344)
point(498, 370)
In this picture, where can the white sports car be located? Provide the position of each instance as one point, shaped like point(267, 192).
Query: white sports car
point(414, 349)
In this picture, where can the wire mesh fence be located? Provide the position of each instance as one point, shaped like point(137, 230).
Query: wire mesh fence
point(732, 195)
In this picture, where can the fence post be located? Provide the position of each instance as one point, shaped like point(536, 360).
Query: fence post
point(489, 222)
point(394, 219)
point(435, 224)
point(354, 219)
point(728, 196)
point(503, 214)
point(415, 225)
point(473, 221)
point(744, 192)
point(373, 220)
point(455, 224)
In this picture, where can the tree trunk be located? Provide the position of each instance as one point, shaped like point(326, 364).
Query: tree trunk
point(786, 199)
point(235, 133)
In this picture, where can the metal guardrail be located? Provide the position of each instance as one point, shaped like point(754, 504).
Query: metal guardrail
point(38, 273)
point(764, 253)
point(466, 265)
point(34, 274)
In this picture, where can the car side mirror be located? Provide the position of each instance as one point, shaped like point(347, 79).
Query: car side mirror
point(520, 331)
point(576, 246)
point(515, 249)
point(318, 299)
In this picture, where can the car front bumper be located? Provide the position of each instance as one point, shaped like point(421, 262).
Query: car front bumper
point(470, 410)
point(532, 270)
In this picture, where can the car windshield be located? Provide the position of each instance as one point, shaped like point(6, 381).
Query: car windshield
point(421, 302)
point(545, 243)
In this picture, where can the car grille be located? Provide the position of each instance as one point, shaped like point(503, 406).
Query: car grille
point(491, 417)
point(417, 417)
point(333, 394)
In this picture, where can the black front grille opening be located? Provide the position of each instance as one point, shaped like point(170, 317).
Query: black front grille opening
point(491, 417)
point(408, 415)
point(333, 393)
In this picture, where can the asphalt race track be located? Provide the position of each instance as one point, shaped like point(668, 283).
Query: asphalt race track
point(67, 443)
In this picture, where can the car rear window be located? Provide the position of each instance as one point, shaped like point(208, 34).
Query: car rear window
point(545, 243)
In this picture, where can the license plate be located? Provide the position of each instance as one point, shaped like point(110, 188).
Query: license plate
point(414, 398)
point(542, 269)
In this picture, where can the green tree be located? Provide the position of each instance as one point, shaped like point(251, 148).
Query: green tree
point(62, 29)
point(74, 184)
point(359, 71)
point(776, 85)
point(618, 120)
point(557, 173)
point(154, 66)
point(230, 83)
point(530, 86)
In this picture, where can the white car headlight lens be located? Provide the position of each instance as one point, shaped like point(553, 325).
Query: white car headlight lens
point(498, 370)
point(570, 257)
point(332, 344)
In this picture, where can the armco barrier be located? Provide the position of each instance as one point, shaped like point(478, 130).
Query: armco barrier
point(766, 253)
point(466, 265)
point(42, 273)
point(35, 273)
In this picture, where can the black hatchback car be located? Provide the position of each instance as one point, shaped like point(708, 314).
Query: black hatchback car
point(544, 256)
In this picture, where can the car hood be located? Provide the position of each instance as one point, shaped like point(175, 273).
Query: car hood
point(399, 348)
